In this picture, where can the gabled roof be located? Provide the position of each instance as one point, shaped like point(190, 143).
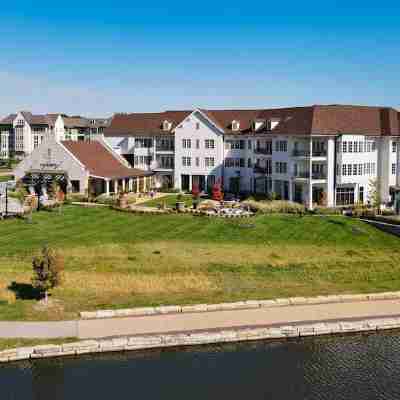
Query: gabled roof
point(8, 120)
point(99, 160)
point(334, 119)
point(315, 120)
point(144, 123)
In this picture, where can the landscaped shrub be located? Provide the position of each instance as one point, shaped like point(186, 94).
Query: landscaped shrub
point(327, 211)
point(209, 205)
point(77, 197)
point(106, 199)
point(274, 207)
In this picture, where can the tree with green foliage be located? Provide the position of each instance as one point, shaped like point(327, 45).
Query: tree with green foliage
point(48, 269)
point(375, 193)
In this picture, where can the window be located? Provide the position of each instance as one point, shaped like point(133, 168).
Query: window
point(197, 161)
point(373, 145)
point(361, 194)
point(394, 147)
point(234, 144)
point(197, 143)
point(360, 169)
point(393, 169)
point(209, 143)
point(344, 169)
point(186, 161)
point(281, 145)
point(143, 142)
point(354, 169)
point(281, 167)
point(249, 144)
point(209, 161)
point(349, 170)
point(361, 147)
point(344, 196)
point(355, 147)
point(197, 126)
point(249, 165)
point(344, 147)
point(350, 147)
point(35, 141)
point(186, 143)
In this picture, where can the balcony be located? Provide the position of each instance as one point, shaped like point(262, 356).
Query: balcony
point(261, 170)
point(165, 148)
point(160, 166)
point(301, 153)
point(306, 153)
point(263, 150)
point(317, 176)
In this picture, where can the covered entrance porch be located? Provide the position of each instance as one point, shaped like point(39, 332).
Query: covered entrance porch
point(114, 185)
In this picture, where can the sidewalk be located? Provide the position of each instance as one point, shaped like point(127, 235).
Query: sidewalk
point(211, 320)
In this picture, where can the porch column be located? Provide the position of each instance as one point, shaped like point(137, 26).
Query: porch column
point(116, 186)
point(123, 185)
point(130, 185)
point(290, 190)
point(107, 187)
point(190, 182)
point(144, 183)
point(137, 184)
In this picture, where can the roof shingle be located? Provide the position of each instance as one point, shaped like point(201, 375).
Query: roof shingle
point(100, 161)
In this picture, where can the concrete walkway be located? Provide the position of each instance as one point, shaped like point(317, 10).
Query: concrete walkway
point(260, 317)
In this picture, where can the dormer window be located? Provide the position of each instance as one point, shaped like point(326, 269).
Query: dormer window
point(167, 125)
point(272, 123)
point(235, 125)
point(258, 124)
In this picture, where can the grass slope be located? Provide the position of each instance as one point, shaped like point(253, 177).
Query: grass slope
point(116, 259)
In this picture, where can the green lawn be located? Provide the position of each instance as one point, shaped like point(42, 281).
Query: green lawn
point(5, 178)
point(115, 259)
point(169, 200)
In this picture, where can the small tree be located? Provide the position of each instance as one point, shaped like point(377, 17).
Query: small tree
point(375, 193)
point(217, 192)
point(47, 271)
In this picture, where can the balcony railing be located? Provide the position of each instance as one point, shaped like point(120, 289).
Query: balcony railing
point(306, 175)
point(263, 150)
point(301, 153)
point(319, 153)
point(164, 148)
point(306, 153)
point(261, 170)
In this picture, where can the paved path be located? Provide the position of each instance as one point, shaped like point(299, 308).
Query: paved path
point(285, 315)
point(385, 226)
point(38, 330)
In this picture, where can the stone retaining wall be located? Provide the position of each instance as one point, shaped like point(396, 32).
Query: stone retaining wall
point(197, 338)
point(240, 305)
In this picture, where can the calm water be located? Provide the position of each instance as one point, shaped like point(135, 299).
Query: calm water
point(358, 367)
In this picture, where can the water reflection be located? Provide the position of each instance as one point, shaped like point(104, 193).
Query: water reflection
point(357, 367)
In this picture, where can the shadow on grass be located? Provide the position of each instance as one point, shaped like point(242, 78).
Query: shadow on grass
point(24, 291)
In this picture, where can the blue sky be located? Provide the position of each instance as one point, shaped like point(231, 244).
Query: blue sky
point(94, 58)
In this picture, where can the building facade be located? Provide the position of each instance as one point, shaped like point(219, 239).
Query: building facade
point(319, 155)
point(23, 132)
point(147, 142)
point(85, 167)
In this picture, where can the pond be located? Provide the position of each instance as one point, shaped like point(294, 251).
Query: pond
point(351, 367)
